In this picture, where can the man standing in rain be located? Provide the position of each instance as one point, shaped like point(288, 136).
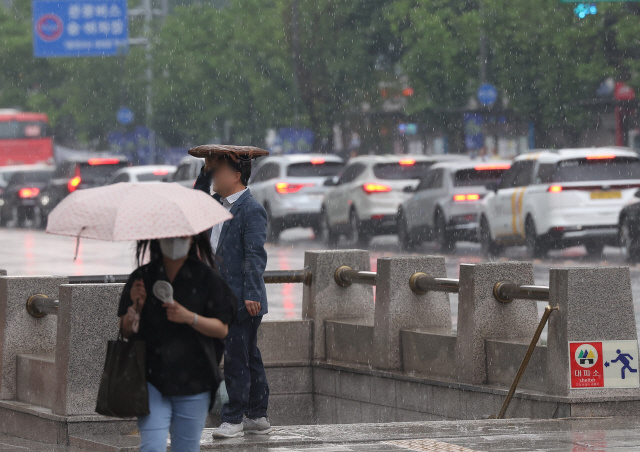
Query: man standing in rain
point(239, 242)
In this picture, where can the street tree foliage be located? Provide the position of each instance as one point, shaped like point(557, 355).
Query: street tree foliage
point(225, 70)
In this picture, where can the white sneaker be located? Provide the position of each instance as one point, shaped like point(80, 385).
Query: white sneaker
point(260, 426)
point(227, 430)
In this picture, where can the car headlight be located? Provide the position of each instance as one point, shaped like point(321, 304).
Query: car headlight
point(44, 200)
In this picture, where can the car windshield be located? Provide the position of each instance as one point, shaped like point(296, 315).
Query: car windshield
point(150, 177)
point(471, 177)
point(596, 169)
point(30, 177)
point(314, 169)
point(399, 171)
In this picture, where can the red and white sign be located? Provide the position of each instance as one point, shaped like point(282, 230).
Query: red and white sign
point(604, 364)
point(622, 91)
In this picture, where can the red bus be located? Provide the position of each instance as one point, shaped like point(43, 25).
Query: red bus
point(24, 138)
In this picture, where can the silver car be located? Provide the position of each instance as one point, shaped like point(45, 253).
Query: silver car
point(291, 189)
point(445, 205)
point(188, 171)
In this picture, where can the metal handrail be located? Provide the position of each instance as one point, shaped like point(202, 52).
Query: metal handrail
point(345, 276)
point(506, 291)
point(40, 305)
point(270, 277)
point(421, 283)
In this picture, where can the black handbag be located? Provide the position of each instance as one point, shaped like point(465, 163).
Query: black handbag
point(123, 388)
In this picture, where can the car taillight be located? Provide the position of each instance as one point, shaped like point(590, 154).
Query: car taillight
point(407, 162)
point(28, 192)
point(160, 172)
point(103, 161)
point(73, 183)
point(466, 197)
point(601, 157)
point(555, 189)
point(284, 187)
point(376, 188)
point(318, 161)
point(492, 166)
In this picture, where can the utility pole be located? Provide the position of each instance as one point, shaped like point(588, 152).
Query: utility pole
point(147, 13)
point(295, 40)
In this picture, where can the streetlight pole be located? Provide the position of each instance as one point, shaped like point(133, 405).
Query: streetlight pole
point(295, 40)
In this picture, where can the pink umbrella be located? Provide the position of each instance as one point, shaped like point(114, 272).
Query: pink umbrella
point(124, 211)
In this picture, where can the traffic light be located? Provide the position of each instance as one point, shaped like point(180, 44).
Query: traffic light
point(582, 10)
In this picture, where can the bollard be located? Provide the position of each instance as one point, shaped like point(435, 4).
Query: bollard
point(594, 304)
point(398, 307)
point(20, 333)
point(324, 299)
point(481, 317)
point(86, 321)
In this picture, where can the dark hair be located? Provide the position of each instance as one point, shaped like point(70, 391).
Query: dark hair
point(200, 249)
point(241, 166)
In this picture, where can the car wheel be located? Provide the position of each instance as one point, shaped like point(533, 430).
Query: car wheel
point(489, 247)
point(537, 247)
point(357, 234)
point(407, 241)
point(594, 249)
point(629, 245)
point(444, 239)
point(273, 227)
point(331, 237)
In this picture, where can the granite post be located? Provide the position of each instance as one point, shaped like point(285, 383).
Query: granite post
point(87, 319)
point(481, 316)
point(397, 307)
point(594, 304)
point(324, 299)
point(21, 333)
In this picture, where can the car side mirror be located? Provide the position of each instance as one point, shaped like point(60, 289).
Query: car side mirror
point(410, 189)
point(492, 186)
point(637, 194)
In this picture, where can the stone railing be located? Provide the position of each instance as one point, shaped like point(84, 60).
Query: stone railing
point(349, 359)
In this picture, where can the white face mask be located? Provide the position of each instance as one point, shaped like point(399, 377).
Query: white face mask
point(175, 247)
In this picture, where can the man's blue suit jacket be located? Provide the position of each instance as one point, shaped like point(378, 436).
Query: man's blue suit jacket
point(241, 248)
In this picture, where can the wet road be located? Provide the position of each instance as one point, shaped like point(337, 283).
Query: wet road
point(32, 252)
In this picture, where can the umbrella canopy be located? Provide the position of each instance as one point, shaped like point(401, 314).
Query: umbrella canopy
point(125, 211)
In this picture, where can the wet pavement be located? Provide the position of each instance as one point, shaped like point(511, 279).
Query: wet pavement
point(514, 435)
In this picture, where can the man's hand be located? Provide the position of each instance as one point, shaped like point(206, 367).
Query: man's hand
point(253, 307)
point(178, 313)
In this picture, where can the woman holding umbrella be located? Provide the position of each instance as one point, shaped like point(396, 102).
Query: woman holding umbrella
point(182, 333)
point(183, 338)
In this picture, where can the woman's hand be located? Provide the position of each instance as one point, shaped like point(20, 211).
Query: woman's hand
point(178, 313)
point(138, 294)
point(132, 319)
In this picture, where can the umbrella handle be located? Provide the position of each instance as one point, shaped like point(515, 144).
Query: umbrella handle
point(78, 242)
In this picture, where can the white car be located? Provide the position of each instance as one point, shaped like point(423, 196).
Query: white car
point(364, 200)
point(559, 198)
point(446, 203)
point(144, 173)
point(188, 171)
point(291, 189)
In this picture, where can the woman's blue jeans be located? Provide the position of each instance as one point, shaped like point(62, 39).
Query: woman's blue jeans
point(181, 416)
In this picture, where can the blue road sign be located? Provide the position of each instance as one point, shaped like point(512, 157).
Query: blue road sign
point(77, 28)
point(124, 116)
point(487, 94)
